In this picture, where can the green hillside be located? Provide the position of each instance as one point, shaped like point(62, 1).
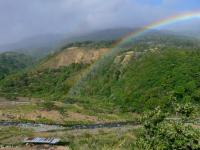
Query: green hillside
point(155, 70)
point(94, 83)
point(53, 76)
point(11, 62)
point(149, 81)
point(47, 83)
point(149, 72)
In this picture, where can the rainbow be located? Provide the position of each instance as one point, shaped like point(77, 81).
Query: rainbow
point(129, 37)
point(161, 23)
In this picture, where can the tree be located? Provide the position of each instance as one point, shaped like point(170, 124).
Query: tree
point(161, 133)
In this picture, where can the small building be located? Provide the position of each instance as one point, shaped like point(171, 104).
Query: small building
point(38, 140)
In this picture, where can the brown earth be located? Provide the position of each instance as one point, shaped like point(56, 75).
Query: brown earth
point(14, 110)
point(74, 55)
point(79, 117)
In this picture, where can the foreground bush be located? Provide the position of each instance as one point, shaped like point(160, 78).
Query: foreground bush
point(161, 133)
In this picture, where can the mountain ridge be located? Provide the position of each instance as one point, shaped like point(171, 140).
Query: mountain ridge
point(42, 45)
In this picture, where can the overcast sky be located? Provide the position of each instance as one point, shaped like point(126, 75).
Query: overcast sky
point(25, 18)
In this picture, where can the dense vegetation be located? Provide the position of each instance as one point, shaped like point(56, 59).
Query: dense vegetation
point(90, 44)
point(46, 83)
point(163, 75)
point(149, 81)
point(161, 133)
point(11, 62)
point(162, 70)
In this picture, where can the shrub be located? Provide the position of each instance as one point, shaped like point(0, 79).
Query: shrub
point(47, 105)
point(161, 133)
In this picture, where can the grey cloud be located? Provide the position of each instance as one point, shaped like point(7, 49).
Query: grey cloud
point(24, 18)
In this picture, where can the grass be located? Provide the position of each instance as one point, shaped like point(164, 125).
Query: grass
point(13, 135)
point(104, 140)
point(103, 110)
point(69, 111)
point(98, 139)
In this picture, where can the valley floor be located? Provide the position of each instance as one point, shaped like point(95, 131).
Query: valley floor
point(80, 112)
point(35, 110)
point(121, 138)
